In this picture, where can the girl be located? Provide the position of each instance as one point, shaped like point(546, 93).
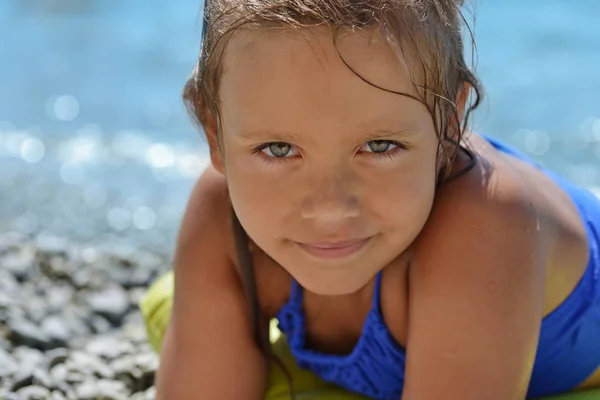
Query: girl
point(403, 256)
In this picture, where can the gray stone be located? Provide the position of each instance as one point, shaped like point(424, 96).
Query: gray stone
point(73, 376)
point(102, 389)
point(147, 364)
point(151, 393)
point(82, 278)
point(42, 378)
point(69, 391)
point(123, 255)
point(99, 325)
point(150, 261)
point(16, 312)
point(123, 365)
point(57, 395)
point(34, 393)
point(8, 365)
point(112, 303)
point(138, 396)
point(88, 278)
point(57, 329)
point(57, 356)
point(135, 296)
point(126, 371)
point(147, 361)
point(118, 275)
point(4, 315)
point(75, 316)
point(58, 297)
point(9, 286)
point(5, 343)
point(89, 364)
point(23, 378)
point(135, 332)
point(9, 396)
point(132, 277)
point(59, 267)
point(59, 373)
point(6, 300)
point(36, 308)
point(26, 333)
point(26, 356)
point(134, 317)
point(109, 347)
point(78, 343)
point(20, 264)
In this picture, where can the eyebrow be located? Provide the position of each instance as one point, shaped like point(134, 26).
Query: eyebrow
point(384, 133)
point(270, 135)
point(377, 134)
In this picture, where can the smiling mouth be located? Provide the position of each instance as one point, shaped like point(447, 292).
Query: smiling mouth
point(332, 250)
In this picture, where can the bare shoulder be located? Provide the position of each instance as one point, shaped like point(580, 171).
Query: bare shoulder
point(485, 238)
point(476, 287)
point(490, 209)
point(209, 341)
point(208, 214)
point(207, 224)
point(510, 211)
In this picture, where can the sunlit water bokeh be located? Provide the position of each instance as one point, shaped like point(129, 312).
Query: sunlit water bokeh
point(95, 143)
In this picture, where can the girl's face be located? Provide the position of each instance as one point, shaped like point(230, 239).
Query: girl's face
point(332, 177)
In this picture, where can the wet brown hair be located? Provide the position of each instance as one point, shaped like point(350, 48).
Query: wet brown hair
point(427, 34)
point(430, 31)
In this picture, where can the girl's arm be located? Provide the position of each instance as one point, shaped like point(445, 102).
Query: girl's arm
point(476, 294)
point(209, 350)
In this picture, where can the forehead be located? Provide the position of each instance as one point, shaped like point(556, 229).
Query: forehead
point(278, 77)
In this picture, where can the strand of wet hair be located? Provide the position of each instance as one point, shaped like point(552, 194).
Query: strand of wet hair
point(247, 275)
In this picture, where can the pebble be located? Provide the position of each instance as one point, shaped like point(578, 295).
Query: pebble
point(70, 328)
point(58, 395)
point(23, 378)
point(41, 377)
point(20, 264)
point(25, 332)
point(34, 392)
point(111, 303)
point(56, 328)
point(57, 356)
point(8, 365)
point(102, 389)
point(99, 324)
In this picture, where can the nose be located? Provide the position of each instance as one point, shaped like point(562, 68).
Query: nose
point(330, 198)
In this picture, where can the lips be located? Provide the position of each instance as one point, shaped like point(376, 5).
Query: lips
point(332, 250)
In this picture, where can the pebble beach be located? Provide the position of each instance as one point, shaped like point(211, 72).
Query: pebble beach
point(70, 327)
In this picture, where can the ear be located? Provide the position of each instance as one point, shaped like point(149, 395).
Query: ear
point(216, 149)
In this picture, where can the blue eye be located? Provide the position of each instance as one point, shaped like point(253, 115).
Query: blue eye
point(379, 146)
point(278, 150)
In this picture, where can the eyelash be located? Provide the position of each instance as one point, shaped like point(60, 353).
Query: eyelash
point(391, 154)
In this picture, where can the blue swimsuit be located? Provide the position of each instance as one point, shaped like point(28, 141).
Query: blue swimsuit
point(569, 344)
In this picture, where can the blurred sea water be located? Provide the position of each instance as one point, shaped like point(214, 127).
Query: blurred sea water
point(95, 143)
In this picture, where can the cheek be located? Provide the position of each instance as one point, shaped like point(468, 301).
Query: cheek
point(402, 201)
point(256, 200)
